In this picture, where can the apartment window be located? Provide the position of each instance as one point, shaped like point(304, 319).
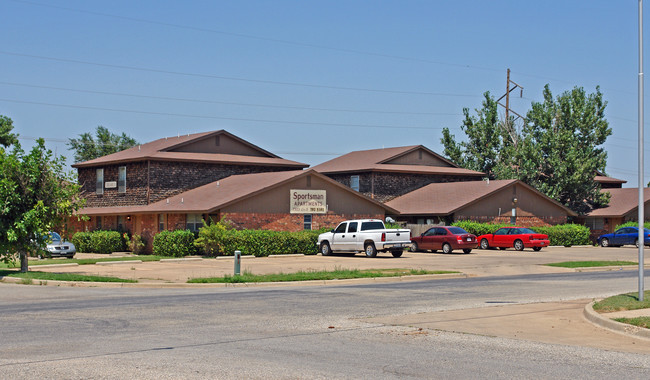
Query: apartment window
point(194, 222)
point(120, 223)
point(161, 222)
point(98, 223)
point(99, 182)
point(354, 182)
point(307, 222)
point(121, 180)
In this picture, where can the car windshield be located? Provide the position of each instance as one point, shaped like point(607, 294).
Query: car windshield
point(54, 236)
point(526, 231)
point(457, 230)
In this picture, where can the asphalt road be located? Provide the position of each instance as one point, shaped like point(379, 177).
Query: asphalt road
point(293, 332)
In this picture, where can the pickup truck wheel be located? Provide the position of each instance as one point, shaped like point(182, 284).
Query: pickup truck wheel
point(484, 244)
point(370, 249)
point(519, 245)
point(446, 248)
point(414, 247)
point(325, 249)
point(397, 253)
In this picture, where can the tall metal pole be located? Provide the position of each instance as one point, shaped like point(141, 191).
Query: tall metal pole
point(641, 181)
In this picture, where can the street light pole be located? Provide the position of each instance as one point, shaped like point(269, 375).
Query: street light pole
point(641, 146)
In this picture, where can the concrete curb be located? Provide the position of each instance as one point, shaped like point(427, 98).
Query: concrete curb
point(119, 262)
point(181, 260)
point(82, 284)
point(609, 268)
point(54, 265)
point(622, 328)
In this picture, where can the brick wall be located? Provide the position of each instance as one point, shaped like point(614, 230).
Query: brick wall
point(386, 186)
point(166, 179)
point(290, 222)
point(525, 221)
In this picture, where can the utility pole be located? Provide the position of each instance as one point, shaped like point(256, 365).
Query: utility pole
point(506, 123)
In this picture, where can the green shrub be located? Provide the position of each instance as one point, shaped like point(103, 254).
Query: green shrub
point(177, 243)
point(215, 241)
point(632, 224)
point(81, 241)
point(106, 242)
point(563, 234)
point(135, 244)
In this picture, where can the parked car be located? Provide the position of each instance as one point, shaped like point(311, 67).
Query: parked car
point(367, 235)
point(623, 236)
point(444, 238)
point(57, 247)
point(514, 237)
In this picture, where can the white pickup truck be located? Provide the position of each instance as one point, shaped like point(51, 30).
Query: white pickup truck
point(365, 235)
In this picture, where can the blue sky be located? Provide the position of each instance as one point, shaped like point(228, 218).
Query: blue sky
point(309, 80)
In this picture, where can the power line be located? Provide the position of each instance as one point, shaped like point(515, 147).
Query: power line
point(221, 117)
point(194, 100)
point(210, 76)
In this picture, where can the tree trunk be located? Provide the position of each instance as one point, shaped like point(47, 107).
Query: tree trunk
point(23, 262)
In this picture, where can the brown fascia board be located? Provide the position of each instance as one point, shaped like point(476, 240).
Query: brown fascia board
point(409, 169)
point(299, 165)
point(221, 132)
point(416, 148)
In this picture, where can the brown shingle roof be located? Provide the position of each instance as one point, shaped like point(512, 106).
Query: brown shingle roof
point(219, 194)
point(623, 201)
point(160, 150)
point(375, 160)
point(446, 198)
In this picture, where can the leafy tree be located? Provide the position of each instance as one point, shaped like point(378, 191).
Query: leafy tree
point(562, 148)
point(558, 152)
point(87, 148)
point(486, 140)
point(35, 196)
point(6, 137)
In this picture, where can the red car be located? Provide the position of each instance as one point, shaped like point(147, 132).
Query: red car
point(515, 237)
point(445, 238)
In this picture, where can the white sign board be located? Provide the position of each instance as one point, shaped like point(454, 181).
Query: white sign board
point(308, 201)
point(111, 184)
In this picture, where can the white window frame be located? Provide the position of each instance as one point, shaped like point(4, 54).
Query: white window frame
point(194, 222)
point(307, 225)
point(355, 182)
point(121, 179)
point(99, 181)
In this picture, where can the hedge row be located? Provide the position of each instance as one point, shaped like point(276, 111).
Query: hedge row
point(563, 234)
point(632, 224)
point(177, 243)
point(214, 241)
point(99, 241)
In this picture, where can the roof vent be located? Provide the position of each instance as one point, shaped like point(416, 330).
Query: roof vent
point(167, 200)
point(182, 200)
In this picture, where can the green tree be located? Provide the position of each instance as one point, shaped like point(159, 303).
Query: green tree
point(486, 142)
point(87, 147)
point(6, 137)
point(36, 195)
point(562, 148)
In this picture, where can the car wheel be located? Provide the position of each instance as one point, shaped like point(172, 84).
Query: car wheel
point(446, 248)
point(414, 247)
point(604, 242)
point(502, 248)
point(397, 253)
point(537, 249)
point(370, 249)
point(484, 244)
point(325, 249)
point(467, 250)
point(519, 245)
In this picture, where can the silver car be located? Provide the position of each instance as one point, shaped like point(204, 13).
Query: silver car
point(57, 247)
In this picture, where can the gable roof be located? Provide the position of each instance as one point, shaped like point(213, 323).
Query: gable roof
point(225, 192)
point(622, 201)
point(166, 149)
point(379, 160)
point(447, 198)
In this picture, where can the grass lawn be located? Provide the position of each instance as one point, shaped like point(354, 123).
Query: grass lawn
point(628, 301)
point(338, 274)
point(28, 276)
point(82, 261)
point(587, 264)
point(640, 321)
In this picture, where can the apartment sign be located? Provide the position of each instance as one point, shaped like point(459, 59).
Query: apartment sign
point(308, 201)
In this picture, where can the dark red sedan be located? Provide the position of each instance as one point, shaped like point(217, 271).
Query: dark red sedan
point(514, 237)
point(444, 238)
